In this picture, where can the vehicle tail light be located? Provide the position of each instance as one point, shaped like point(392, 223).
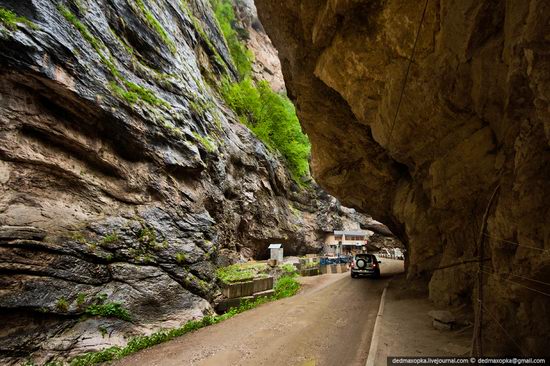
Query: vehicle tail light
point(353, 263)
point(374, 264)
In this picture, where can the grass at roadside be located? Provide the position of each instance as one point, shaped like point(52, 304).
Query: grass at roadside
point(286, 286)
point(241, 272)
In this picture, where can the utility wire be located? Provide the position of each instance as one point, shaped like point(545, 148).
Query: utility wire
point(501, 327)
point(516, 244)
point(516, 275)
point(407, 73)
point(516, 283)
point(466, 261)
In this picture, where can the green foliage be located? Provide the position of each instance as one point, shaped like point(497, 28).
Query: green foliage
point(81, 7)
point(146, 243)
point(122, 88)
point(288, 268)
point(145, 94)
point(173, 130)
point(206, 142)
point(156, 26)
point(286, 286)
point(240, 272)
point(273, 119)
point(109, 310)
point(79, 237)
point(12, 21)
point(80, 298)
point(121, 93)
point(62, 304)
point(242, 57)
point(124, 44)
point(102, 330)
point(132, 93)
point(96, 44)
point(110, 239)
point(180, 257)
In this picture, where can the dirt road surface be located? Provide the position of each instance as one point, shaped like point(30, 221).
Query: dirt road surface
point(330, 322)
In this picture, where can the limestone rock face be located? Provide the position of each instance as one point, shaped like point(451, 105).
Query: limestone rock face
point(266, 64)
point(474, 116)
point(123, 176)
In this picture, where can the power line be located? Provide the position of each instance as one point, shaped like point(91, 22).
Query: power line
point(516, 283)
point(466, 261)
point(516, 275)
point(501, 327)
point(514, 243)
point(407, 73)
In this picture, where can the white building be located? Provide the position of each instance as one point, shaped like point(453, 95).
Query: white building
point(347, 241)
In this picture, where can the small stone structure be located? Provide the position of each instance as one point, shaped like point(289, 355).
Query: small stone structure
point(276, 252)
point(237, 292)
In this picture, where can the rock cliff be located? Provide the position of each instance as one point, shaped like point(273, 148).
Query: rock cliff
point(124, 178)
point(473, 117)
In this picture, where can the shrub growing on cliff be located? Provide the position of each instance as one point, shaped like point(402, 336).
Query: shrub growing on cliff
point(242, 57)
point(273, 119)
point(109, 310)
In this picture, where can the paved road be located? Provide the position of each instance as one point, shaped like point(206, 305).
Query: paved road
point(329, 322)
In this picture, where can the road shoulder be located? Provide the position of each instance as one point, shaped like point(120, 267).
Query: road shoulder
point(406, 328)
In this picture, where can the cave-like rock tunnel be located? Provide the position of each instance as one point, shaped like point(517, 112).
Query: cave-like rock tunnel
point(465, 166)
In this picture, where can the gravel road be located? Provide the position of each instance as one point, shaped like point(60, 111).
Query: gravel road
point(330, 322)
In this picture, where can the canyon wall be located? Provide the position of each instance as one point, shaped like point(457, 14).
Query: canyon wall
point(473, 122)
point(124, 179)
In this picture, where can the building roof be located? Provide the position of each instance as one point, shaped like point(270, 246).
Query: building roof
point(275, 246)
point(353, 232)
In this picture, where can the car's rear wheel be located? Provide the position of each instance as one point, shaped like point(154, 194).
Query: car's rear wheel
point(353, 275)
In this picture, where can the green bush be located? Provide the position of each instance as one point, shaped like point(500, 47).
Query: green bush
point(288, 268)
point(108, 309)
point(180, 257)
point(242, 57)
point(308, 265)
point(286, 286)
point(272, 118)
point(110, 239)
point(62, 304)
